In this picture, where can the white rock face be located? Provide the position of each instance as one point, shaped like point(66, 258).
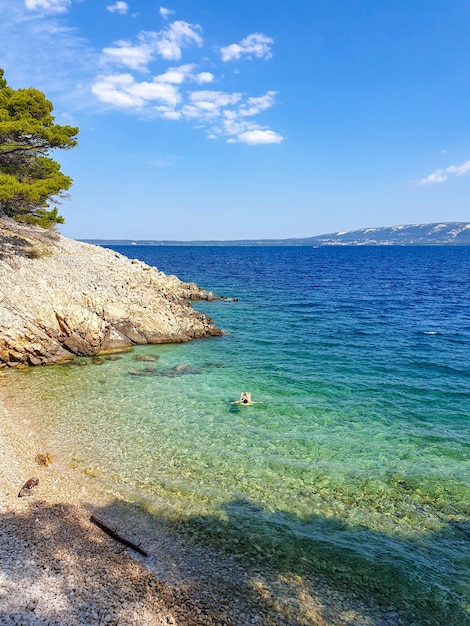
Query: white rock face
point(60, 298)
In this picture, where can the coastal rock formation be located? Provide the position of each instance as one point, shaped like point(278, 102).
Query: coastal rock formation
point(60, 298)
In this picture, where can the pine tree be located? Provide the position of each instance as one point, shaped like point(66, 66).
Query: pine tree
point(29, 178)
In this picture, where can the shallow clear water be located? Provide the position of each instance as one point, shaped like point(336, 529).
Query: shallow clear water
point(358, 458)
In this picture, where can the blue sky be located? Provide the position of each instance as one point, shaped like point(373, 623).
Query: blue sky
point(227, 119)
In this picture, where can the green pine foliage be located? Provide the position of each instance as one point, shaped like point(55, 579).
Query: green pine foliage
point(29, 178)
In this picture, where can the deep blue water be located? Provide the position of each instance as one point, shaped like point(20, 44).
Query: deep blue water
point(358, 456)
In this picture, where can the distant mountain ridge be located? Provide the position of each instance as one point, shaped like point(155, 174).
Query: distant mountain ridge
point(437, 234)
point(449, 233)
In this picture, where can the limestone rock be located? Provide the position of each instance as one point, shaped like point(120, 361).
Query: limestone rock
point(60, 298)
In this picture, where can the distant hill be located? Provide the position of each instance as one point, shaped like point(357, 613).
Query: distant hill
point(450, 233)
point(439, 234)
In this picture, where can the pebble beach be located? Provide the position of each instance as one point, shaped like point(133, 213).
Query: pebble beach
point(56, 567)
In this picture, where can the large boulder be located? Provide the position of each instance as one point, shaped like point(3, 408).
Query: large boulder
point(60, 298)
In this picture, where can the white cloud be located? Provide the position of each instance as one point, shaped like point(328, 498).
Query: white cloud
point(179, 34)
point(122, 90)
point(155, 91)
point(439, 176)
point(182, 73)
point(255, 137)
point(209, 104)
point(165, 13)
point(254, 106)
point(171, 115)
point(167, 43)
point(234, 124)
point(48, 6)
point(257, 45)
point(459, 170)
point(125, 54)
point(225, 115)
point(176, 75)
point(436, 177)
point(84, 76)
point(204, 77)
point(119, 7)
point(220, 113)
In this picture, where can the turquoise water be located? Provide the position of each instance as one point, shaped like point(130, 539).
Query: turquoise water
point(355, 465)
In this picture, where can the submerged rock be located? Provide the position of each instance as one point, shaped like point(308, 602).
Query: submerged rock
point(182, 369)
point(73, 299)
point(146, 357)
point(147, 371)
point(44, 459)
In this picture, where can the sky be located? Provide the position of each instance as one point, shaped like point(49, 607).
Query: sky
point(251, 119)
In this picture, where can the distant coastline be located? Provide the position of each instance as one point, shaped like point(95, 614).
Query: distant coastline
point(436, 234)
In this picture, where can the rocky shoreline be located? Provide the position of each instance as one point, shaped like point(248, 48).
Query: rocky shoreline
point(61, 298)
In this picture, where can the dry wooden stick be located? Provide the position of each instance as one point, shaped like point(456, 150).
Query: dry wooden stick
point(26, 488)
point(112, 533)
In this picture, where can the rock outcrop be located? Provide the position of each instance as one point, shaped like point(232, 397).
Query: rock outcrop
point(60, 298)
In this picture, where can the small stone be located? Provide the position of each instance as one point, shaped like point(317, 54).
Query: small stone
point(146, 357)
point(44, 459)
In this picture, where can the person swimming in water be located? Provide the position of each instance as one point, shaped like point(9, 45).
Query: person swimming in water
point(245, 398)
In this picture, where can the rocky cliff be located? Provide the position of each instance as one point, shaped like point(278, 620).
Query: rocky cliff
point(61, 298)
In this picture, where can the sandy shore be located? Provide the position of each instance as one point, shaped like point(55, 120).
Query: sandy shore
point(56, 567)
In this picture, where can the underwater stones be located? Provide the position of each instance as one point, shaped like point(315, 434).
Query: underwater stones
point(182, 369)
point(44, 459)
point(79, 362)
point(146, 371)
point(463, 527)
point(173, 371)
point(146, 357)
point(91, 472)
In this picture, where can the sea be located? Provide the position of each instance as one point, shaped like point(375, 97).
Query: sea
point(355, 464)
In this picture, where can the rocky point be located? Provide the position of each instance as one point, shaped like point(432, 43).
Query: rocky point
point(61, 298)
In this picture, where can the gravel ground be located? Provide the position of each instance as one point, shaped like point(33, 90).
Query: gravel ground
point(57, 568)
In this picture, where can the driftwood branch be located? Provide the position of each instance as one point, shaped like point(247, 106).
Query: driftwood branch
point(112, 533)
point(26, 488)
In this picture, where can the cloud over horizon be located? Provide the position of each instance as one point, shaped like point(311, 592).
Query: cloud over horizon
point(440, 176)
